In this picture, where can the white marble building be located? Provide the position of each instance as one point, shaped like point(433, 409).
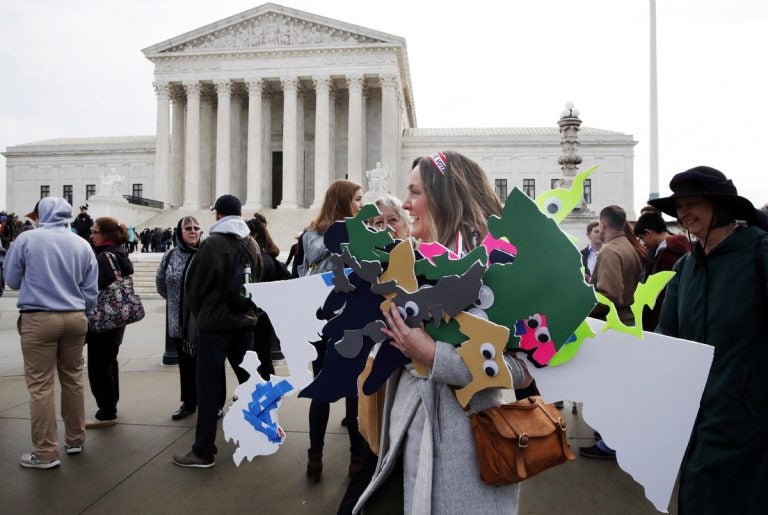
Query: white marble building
point(273, 104)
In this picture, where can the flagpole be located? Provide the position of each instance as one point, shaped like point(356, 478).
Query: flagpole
point(654, 110)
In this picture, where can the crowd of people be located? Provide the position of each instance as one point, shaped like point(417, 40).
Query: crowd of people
point(423, 441)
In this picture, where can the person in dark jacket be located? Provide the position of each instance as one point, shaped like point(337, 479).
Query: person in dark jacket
point(108, 237)
point(83, 223)
point(665, 250)
point(225, 318)
point(719, 297)
point(264, 337)
point(146, 240)
point(590, 252)
point(342, 199)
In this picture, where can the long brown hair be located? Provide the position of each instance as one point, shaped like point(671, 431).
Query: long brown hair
point(337, 205)
point(260, 233)
point(460, 200)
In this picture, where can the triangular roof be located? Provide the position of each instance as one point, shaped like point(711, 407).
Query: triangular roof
point(272, 26)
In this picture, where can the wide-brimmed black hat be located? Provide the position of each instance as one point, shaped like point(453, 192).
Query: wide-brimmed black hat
point(704, 181)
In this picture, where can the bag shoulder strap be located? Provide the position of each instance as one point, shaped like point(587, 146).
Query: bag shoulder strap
point(112, 260)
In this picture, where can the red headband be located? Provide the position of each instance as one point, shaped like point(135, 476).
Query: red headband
point(438, 158)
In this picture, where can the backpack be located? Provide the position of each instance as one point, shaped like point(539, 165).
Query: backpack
point(319, 265)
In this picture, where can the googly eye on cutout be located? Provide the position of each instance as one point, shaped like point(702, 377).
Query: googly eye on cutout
point(485, 297)
point(402, 312)
point(411, 308)
point(553, 206)
point(542, 335)
point(534, 321)
point(490, 368)
point(479, 313)
point(488, 350)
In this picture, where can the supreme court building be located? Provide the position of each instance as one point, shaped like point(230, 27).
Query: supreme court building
point(272, 105)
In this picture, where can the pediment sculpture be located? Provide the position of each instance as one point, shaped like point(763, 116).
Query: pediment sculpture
point(273, 30)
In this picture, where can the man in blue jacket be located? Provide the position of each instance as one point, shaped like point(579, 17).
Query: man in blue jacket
point(56, 273)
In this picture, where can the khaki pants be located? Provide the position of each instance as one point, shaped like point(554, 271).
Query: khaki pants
point(51, 341)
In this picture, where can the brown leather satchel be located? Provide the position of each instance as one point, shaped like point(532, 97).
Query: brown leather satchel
point(518, 440)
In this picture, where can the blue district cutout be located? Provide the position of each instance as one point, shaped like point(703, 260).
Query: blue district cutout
point(265, 398)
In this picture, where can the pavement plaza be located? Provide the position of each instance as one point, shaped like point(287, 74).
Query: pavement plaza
point(127, 469)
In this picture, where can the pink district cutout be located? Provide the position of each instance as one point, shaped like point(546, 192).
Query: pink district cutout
point(536, 336)
point(434, 249)
point(491, 244)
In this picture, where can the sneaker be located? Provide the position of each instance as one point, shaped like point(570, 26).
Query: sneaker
point(95, 423)
point(595, 452)
point(31, 461)
point(193, 460)
point(73, 449)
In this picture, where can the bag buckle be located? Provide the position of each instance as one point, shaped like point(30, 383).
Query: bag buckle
point(563, 424)
point(522, 440)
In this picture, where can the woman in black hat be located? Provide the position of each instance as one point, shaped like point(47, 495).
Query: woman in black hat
point(719, 297)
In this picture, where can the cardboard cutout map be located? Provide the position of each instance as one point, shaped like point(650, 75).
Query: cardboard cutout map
point(522, 291)
point(641, 395)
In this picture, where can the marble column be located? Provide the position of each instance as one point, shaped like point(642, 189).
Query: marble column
point(208, 133)
point(290, 145)
point(322, 138)
point(266, 145)
point(163, 142)
point(176, 181)
point(390, 127)
point(236, 180)
point(300, 168)
point(355, 129)
point(223, 143)
point(192, 147)
point(255, 158)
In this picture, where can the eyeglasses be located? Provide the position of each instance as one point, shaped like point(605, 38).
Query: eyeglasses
point(193, 228)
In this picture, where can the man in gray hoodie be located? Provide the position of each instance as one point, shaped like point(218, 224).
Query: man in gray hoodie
point(225, 319)
point(57, 274)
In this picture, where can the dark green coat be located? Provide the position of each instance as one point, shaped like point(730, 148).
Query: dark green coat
point(717, 299)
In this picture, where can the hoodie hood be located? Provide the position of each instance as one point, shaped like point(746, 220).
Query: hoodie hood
point(53, 211)
point(231, 225)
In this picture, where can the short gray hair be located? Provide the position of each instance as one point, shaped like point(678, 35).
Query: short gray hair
point(394, 203)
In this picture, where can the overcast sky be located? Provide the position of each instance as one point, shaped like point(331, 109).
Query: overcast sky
point(73, 68)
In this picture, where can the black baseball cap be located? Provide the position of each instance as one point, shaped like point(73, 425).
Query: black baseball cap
point(228, 205)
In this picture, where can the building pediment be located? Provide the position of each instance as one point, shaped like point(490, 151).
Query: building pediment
point(271, 26)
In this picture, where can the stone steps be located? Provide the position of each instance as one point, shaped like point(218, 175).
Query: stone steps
point(283, 223)
point(144, 271)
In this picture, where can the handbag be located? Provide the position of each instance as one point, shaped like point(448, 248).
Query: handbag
point(117, 305)
point(519, 440)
